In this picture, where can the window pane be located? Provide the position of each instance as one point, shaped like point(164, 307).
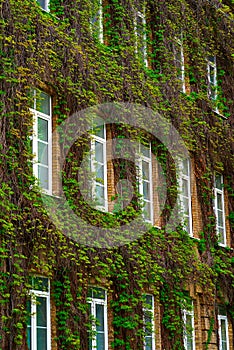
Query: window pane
point(223, 335)
point(42, 153)
point(147, 211)
point(100, 195)
point(146, 190)
point(40, 283)
point(43, 177)
point(185, 190)
point(148, 343)
point(145, 170)
point(218, 181)
point(220, 218)
point(42, 3)
point(96, 292)
point(100, 317)
point(43, 100)
point(100, 341)
point(100, 174)
point(219, 201)
point(185, 167)
point(149, 301)
point(41, 339)
point(42, 129)
point(41, 312)
point(98, 152)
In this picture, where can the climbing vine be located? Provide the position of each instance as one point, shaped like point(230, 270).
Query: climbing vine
point(60, 53)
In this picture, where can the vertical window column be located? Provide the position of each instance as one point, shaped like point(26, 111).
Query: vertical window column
point(179, 61)
point(97, 20)
point(97, 300)
point(140, 33)
point(99, 167)
point(38, 324)
point(145, 180)
point(148, 319)
point(219, 209)
point(223, 330)
point(42, 140)
point(189, 334)
point(185, 195)
point(212, 77)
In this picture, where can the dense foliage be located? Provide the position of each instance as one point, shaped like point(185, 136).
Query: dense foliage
point(57, 51)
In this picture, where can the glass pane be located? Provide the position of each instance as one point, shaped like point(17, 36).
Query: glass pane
point(42, 129)
point(185, 190)
point(43, 100)
point(97, 293)
point(147, 211)
point(100, 195)
point(219, 201)
point(185, 167)
point(41, 339)
point(218, 181)
point(43, 176)
point(145, 150)
point(220, 218)
point(146, 190)
point(223, 335)
point(98, 152)
point(42, 153)
point(148, 343)
point(99, 131)
point(100, 337)
point(100, 174)
point(145, 170)
point(42, 3)
point(100, 317)
point(149, 301)
point(41, 312)
point(40, 283)
point(185, 206)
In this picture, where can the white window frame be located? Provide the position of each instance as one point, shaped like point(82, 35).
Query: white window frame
point(93, 302)
point(34, 294)
point(140, 159)
point(95, 138)
point(37, 114)
point(179, 63)
point(147, 310)
point(46, 8)
point(225, 319)
point(217, 192)
point(190, 313)
point(212, 86)
point(187, 178)
point(99, 14)
point(141, 15)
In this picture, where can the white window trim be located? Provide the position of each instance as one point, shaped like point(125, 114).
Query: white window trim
point(179, 42)
point(34, 294)
point(93, 168)
point(224, 318)
point(141, 15)
point(221, 192)
point(146, 309)
point(140, 158)
point(186, 313)
point(36, 115)
point(94, 302)
point(188, 179)
point(214, 66)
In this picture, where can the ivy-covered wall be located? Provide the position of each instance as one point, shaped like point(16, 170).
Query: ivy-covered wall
point(58, 53)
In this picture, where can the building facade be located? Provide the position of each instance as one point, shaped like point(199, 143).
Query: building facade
point(117, 159)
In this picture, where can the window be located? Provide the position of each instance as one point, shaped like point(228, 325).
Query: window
point(97, 301)
point(212, 78)
point(140, 33)
point(145, 180)
point(38, 307)
point(99, 167)
point(189, 334)
point(41, 140)
point(179, 61)
point(44, 4)
point(185, 195)
point(148, 320)
point(219, 209)
point(97, 20)
point(223, 330)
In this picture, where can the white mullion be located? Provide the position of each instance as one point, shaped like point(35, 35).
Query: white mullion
point(187, 178)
